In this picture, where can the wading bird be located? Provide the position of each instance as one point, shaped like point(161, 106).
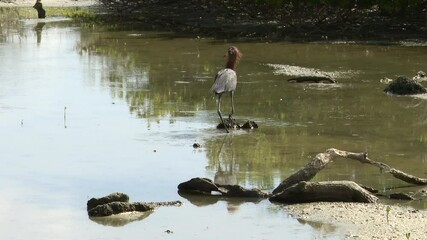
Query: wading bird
point(226, 80)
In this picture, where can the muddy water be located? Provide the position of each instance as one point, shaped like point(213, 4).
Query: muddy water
point(85, 112)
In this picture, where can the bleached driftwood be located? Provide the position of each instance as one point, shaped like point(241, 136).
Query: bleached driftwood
point(307, 172)
point(331, 191)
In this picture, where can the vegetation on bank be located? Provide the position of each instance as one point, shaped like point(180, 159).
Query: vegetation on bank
point(258, 19)
point(278, 19)
point(13, 13)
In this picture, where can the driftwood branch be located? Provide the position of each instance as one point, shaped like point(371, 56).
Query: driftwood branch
point(363, 158)
point(306, 173)
point(310, 170)
point(331, 191)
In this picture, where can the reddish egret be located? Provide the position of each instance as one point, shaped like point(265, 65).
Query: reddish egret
point(226, 80)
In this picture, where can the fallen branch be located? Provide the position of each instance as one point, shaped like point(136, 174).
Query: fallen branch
point(332, 191)
point(306, 173)
point(363, 158)
point(310, 170)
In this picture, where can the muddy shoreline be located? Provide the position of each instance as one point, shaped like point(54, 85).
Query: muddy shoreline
point(363, 221)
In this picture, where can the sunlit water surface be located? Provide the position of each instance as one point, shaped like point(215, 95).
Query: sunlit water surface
point(86, 112)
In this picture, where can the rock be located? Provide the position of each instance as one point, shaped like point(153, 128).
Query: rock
point(386, 80)
point(114, 197)
point(249, 125)
point(313, 79)
point(196, 145)
point(405, 86)
point(118, 207)
point(198, 186)
point(230, 123)
point(116, 203)
point(401, 196)
point(420, 76)
point(238, 191)
point(205, 186)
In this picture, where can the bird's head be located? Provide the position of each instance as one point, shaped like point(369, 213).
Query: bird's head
point(234, 53)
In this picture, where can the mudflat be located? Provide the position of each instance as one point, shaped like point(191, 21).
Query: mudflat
point(364, 220)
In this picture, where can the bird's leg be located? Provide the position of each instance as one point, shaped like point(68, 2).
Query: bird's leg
point(219, 113)
point(232, 104)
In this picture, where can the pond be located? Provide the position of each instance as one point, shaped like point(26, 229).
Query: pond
point(86, 111)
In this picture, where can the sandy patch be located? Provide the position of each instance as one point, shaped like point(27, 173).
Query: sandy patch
point(364, 221)
point(48, 3)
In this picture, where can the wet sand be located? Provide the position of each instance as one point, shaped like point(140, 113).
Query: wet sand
point(364, 221)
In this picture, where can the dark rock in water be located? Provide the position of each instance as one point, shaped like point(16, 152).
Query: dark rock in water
point(118, 207)
point(405, 86)
point(114, 197)
point(205, 186)
point(198, 186)
point(401, 196)
point(314, 79)
point(230, 123)
point(249, 125)
point(196, 145)
point(238, 191)
point(369, 189)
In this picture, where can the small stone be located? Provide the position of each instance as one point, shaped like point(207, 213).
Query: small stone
point(401, 196)
point(196, 145)
point(405, 86)
point(250, 125)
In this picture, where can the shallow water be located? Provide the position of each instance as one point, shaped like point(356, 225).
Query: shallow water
point(85, 112)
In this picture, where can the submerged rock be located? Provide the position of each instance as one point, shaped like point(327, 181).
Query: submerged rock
point(233, 124)
point(241, 192)
point(401, 196)
point(230, 123)
point(249, 125)
point(420, 76)
point(198, 186)
point(405, 86)
point(206, 186)
point(312, 79)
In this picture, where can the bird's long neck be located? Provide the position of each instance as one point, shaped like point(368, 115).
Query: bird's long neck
point(231, 63)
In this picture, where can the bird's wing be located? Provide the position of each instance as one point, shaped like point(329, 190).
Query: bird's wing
point(225, 81)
